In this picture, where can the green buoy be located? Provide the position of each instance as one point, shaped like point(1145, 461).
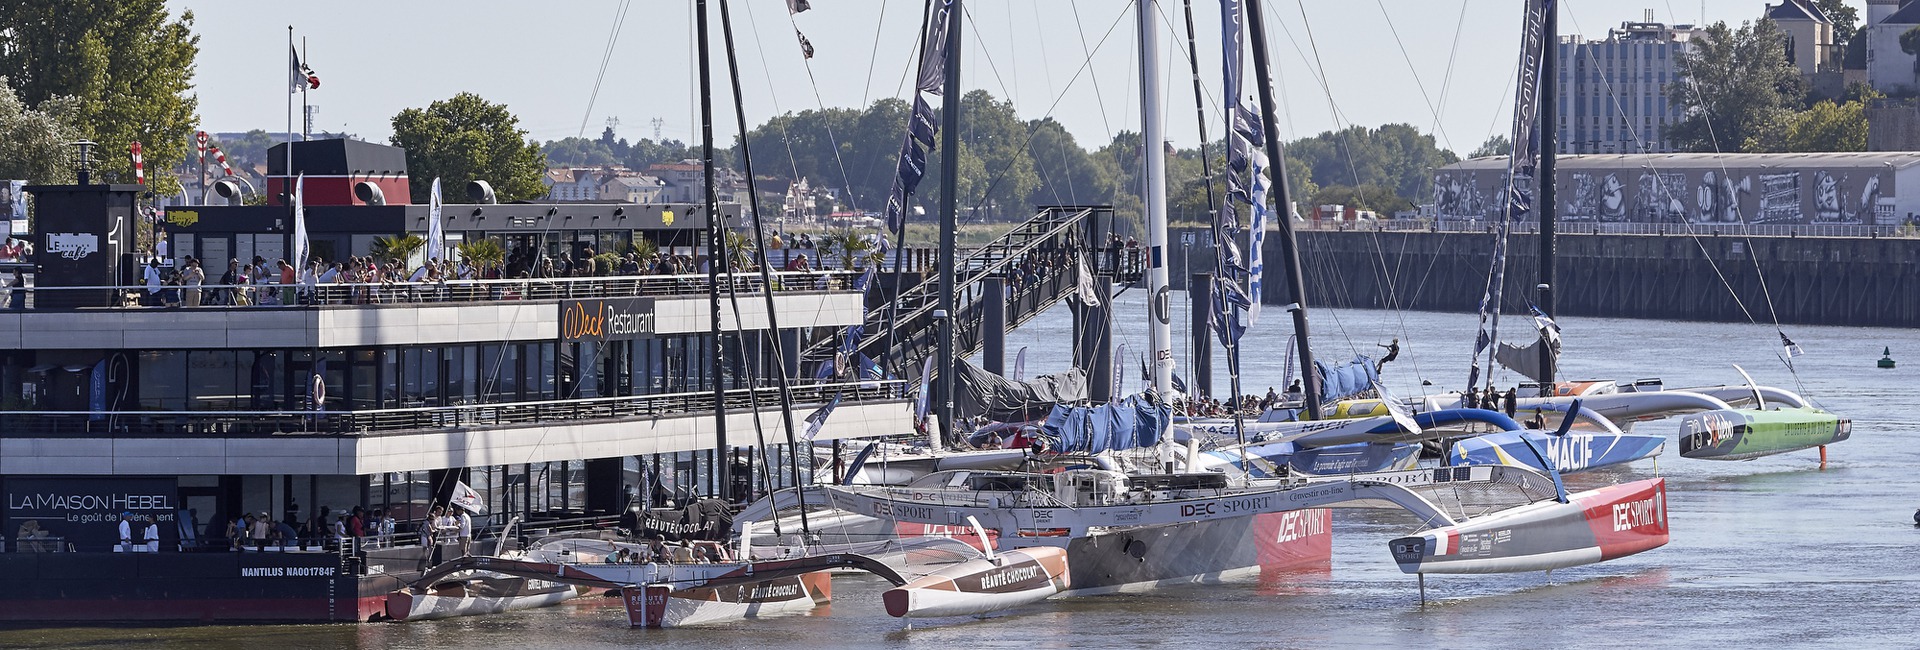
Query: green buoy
point(1886, 358)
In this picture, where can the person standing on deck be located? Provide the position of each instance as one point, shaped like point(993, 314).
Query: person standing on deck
point(1511, 401)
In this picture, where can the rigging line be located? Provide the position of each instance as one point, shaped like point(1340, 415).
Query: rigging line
point(1099, 97)
point(846, 180)
point(613, 35)
point(1033, 126)
point(873, 56)
point(1453, 54)
point(1662, 187)
point(772, 94)
point(1318, 76)
point(1046, 67)
point(1314, 44)
point(1408, 58)
point(1393, 299)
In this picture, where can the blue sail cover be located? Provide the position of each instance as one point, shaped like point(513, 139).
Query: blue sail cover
point(1129, 424)
point(1346, 380)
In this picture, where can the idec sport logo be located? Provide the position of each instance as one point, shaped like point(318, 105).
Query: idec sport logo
point(1639, 514)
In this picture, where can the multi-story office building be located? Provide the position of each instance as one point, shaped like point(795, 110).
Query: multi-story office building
point(1613, 91)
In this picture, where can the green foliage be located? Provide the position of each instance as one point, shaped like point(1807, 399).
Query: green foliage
point(396, 247)
point(1825, 127)
point(851, 247)
point(740, 249)
point(1496, 145)
point(1855, 55)
point(467, 138)
point(1396, 156)
point(124, 63)
point(484, 253)
point(641, 247)
point(33, 140)
point(1846, 19)
point(606, 264)
point(1734, 85)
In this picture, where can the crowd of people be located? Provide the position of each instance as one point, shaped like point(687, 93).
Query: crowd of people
point(326, 529)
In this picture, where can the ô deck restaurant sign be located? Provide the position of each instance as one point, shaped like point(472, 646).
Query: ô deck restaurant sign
point(606, 319)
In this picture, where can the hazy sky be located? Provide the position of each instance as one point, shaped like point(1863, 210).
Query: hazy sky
point(541, 59)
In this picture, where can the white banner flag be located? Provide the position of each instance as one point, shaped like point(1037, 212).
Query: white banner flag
point(467, 498)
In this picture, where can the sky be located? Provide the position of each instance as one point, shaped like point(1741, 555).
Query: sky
point(1445, 66)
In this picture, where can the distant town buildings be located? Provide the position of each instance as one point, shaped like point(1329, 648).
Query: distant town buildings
point(1889, 69)
point(1612, 91)
point(679, 182)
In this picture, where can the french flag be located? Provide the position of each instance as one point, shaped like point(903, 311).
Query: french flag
point(1443, 543)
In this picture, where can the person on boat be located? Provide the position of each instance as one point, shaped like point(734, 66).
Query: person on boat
point(1511, 401)
point(1295, 393)
point(1471, 398)
point(1538, 421)
point(1393, 352)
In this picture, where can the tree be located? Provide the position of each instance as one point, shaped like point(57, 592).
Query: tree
point(466, 138)
point(1496, 145)
point(126, 65)
point(396, 247)
point(1825, 127)
point(1733, 85)
point(1397, 156)
point(33, 140)
point(1846, 19)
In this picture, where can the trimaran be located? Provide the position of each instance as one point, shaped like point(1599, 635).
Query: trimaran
point(1087, 530)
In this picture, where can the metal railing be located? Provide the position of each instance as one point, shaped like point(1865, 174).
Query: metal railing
point(19, 424)
point(1566, 227)
point(240, 296)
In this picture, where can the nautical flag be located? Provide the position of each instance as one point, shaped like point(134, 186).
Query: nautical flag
point(797, 6)
point(1119, 378)
point(303, 77)
point(1084, 290)
point(1397, 409)
point(818, 419)
point(1793, 349)
point(436, 237)
point(299, 223)
point(1020, 364)
point(806, 46)
point(468, 498)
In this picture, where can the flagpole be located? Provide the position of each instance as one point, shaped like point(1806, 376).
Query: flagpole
point(286, 189)
point(306, 110)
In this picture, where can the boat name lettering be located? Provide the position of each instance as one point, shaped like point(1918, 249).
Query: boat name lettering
point(1573, 451)
point(1298, 525)
point(1007, 576)
point(1636, 514)
point(1247, 504)
point(1316, 493)
point(764, 592)
point(288, 571)
point(1197, 509)
point(901, 510)
point(1042, 516)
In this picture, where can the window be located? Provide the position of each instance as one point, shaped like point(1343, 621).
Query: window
point(213, 381)
point(162, 380)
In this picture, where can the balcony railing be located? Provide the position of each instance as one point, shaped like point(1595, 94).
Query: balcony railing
point(314, 294)
point(23, 424)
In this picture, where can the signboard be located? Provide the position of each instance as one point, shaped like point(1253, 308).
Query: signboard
point(606, 319)
point(86, 511)
point(13, 206)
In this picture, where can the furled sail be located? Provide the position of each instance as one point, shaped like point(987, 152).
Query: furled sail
point(978, 393)
point(1520, 170)
point(1526, 359)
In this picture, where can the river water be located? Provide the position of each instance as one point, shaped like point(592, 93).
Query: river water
point(1772, 552)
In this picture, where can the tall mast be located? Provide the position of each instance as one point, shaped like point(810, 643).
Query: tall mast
point(1154, 197)
point(1206, 174)
point(1289, 247)
point(766, 280)
point(716, 253)
point(949, 209)
point(1549, 147)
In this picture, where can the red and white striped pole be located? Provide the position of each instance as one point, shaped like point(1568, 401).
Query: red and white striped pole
point(221, 157)
point(139, 166)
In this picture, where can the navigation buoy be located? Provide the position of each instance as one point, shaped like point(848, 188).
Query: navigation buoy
point(1886, 358)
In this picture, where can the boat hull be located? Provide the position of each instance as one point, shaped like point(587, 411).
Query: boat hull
point(1575, 451)
point(1741, 434)
point(658, 606)
point(490, 596)
point(981, 586)
point(1593, 526)
point(1209, 551)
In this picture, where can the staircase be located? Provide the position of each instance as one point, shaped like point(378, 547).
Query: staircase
point(1041, 251)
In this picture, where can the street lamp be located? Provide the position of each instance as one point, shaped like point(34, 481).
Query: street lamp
point(83, 159)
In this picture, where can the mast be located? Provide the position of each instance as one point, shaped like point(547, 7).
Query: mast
point(716, 252)
point(1154, 197)
point(949, 209)
point(1206, 174)
point(1549, 147)
point(766, 280)
point(1289, 246)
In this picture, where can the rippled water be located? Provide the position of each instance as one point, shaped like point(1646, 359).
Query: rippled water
point(1771, 552)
